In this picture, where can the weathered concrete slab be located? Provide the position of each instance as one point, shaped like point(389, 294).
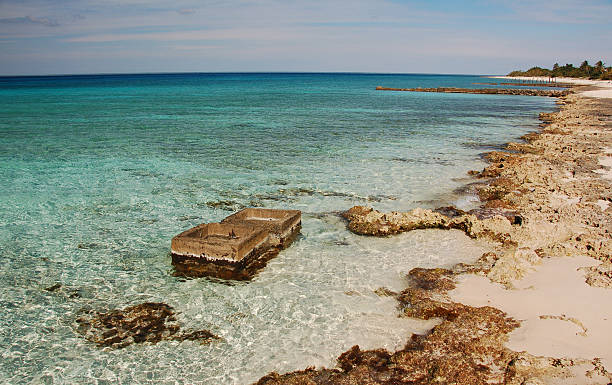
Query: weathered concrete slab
point(282, 225)
point(236, 248)
point(219, 241)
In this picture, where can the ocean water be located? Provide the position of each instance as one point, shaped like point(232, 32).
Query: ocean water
point(97, 173)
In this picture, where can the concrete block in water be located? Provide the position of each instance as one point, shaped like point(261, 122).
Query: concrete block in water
point(282, 225)
point(237, 247)
point(219, 241)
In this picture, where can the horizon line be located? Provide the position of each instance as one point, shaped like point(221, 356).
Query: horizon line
point(239, 72)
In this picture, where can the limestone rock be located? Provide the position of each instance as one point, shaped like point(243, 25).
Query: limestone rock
point(600, 275)
point(513, 265)
point(367, 221)
point(496, 228)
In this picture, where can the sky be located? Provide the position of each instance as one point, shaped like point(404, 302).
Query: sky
point(39, 37)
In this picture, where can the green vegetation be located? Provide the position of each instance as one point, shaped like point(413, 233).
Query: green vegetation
point(598, 71)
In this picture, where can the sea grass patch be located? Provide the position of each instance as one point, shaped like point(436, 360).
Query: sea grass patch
point(150, 322)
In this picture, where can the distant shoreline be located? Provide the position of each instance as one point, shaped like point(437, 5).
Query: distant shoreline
point(605, 86)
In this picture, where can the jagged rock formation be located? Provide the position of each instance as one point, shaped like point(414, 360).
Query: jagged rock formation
point(367, 221)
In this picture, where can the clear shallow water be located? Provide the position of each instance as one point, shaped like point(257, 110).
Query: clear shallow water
point(98, 173)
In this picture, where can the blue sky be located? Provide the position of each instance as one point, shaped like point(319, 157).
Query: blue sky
point(123, 36)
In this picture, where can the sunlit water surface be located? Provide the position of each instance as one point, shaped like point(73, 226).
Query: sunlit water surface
point(98, 173)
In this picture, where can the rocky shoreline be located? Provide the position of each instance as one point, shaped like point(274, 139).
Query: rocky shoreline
point(545, 199)
point(485, 91)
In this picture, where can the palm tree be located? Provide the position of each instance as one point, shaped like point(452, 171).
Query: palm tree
point(586, 68)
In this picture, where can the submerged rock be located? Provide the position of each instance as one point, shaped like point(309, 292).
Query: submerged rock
point(450, 211)
point(431, 279)
point(384, 292)
point(146, 322)
point(53, 288)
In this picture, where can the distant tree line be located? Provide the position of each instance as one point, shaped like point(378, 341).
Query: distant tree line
point(598, 71)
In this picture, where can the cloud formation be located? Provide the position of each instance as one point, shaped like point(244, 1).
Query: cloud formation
point(30, 20)
point(472, 36)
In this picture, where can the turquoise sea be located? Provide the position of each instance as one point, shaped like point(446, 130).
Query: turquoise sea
point(97, 173)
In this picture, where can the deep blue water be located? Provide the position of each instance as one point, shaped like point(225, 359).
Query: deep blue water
point(98, 172)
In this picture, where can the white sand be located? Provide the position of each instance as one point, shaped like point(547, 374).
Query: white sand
point(607, 93)
point(562, 316)
point(604, 92)
point(606, 161)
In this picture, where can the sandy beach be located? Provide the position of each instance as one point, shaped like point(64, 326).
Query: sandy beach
point(604, 87)
point(537, 308)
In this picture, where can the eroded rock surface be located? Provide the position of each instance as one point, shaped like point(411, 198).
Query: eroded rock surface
point(146, 322)
point(600, 275)
point(367, 221)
